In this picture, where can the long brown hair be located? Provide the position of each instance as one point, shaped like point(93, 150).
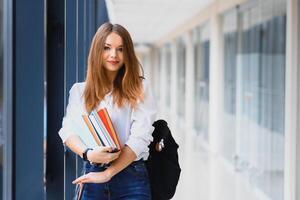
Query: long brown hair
point(127, 85)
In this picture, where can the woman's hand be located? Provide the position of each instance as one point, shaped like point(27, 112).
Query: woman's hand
point(102, 155)
point(93, 177)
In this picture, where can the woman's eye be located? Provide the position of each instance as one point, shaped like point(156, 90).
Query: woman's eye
point(106, 48)
point(120, 49)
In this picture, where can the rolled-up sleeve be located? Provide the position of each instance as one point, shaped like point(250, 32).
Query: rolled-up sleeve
point(142, 118)
point(72, 110)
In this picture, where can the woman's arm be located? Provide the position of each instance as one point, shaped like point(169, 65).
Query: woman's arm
point(126, 157)
point(97, 155)
point(75, 144)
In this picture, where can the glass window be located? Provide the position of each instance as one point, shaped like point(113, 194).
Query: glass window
point(201, 52)
point(230, 37)
point(254, 75)
point(181, 57)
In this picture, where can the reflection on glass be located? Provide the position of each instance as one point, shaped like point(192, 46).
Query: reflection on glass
point(201, 52)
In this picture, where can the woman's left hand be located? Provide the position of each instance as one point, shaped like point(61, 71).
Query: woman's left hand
point(93, 177)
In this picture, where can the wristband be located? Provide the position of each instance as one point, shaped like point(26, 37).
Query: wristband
point(84, 154)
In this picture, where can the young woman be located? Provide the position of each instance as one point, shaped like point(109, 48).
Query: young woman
point(113, 81)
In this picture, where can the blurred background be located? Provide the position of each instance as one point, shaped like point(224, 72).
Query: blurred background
point(225, 74)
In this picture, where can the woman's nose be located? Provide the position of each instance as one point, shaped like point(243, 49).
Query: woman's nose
point(113, 53)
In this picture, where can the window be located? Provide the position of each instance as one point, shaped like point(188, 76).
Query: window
point(201, 52)
point(254, 76)
point(230, 37)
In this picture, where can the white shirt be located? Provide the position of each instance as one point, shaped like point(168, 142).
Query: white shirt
point(133, 126)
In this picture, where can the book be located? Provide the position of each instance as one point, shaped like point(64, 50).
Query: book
point(92, 130)
point(98, 131)
point(104, 130)
point(101, 128)
point(77, 125)
point(108, 125)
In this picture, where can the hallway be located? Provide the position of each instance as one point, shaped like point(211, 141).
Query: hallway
point(225, 74)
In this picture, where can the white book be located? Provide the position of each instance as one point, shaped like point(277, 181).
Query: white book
point(103, 129)
point(78, 126)
point(99, 131)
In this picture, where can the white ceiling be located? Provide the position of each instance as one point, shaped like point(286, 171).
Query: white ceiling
point(149, 20)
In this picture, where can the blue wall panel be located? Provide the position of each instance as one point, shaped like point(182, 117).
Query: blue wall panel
point(81, 60)
point(55, 99)
point(101, 13)
point(29, 95)
point(81, 64)
point(70, 79)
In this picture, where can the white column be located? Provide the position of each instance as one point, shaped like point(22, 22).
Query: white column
point(163, 82)
point(189, 81)
point(173, 83)
point(152, 62)
point(189, 135)
point(216, 80)
point(292, 101)
point(148, 61)
point(148, 69)
point(216, 99)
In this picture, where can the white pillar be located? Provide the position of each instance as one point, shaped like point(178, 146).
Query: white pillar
point(173, 83)
point(163, 82)
point(216, 99)
point(292, 101)
point(153, 62)
point(216, 80)
point(189, 81)
point(189, 135)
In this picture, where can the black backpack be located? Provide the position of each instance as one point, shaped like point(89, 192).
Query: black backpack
point(162, 164)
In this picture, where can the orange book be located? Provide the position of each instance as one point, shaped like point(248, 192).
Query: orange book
point(104, 116)
point(112, 128)
point(90, 126)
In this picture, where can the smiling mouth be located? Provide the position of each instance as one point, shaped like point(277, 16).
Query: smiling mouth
point(113, 62)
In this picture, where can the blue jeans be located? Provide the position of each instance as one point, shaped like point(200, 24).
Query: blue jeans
point(132, 183)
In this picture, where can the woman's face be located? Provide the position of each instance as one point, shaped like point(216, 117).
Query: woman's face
point(113, 53)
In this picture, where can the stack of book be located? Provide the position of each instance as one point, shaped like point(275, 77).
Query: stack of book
point(101, 128)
